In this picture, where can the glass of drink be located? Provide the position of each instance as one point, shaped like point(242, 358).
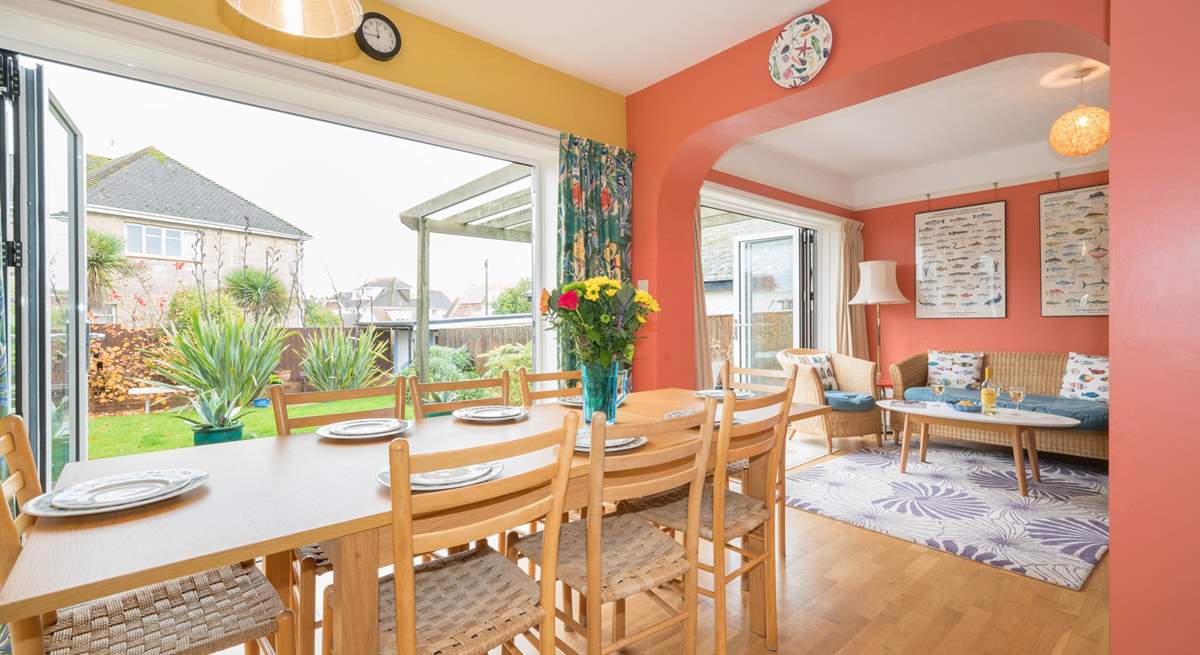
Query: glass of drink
point(938, 388)
point(1017, 394)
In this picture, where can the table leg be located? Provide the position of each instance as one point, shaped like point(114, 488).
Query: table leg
point(26, 636)
point(908, 421)
point(278, 569)
point(755, 485)
point(924, 440)
point(1019, 460)
point(356, 592)
point(1031, 444)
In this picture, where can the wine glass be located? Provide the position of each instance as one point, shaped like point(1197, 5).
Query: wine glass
point(1017, 393)
point(938, 388)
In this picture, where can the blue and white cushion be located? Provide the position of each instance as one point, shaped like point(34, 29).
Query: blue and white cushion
point(956, 370)
point(823, 366)
point(1086, 378)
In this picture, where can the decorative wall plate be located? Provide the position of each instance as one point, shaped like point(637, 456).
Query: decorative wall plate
point(801, 50)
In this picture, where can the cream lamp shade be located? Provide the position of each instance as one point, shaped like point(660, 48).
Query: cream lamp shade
point(877, 284)
point(315, 19)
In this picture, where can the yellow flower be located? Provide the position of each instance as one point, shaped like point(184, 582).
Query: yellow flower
point(646, 300)
point(641, 319)
point(592, 294)
point(610, 292)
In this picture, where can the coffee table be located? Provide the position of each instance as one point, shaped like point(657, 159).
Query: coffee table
point(1016, 423)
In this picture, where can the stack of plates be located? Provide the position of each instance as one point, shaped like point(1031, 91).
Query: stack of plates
point(461, 476)
point(490, 413)
point(116, 492)
point(686, 412)
point(366, 428)
point(583, 443)
point(719, 394)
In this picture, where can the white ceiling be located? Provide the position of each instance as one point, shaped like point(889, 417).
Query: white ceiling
point(621, 45)
point(976, 127)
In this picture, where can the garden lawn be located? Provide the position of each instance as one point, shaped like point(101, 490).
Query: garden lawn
point(112, 436)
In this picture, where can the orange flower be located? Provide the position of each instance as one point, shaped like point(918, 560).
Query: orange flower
point(544, 303)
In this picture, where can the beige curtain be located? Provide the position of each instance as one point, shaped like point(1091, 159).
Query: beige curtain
point(852, 319)
point(704, 369)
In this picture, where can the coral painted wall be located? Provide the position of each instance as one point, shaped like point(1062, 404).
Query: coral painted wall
point(1154, 337)
point(888, 234)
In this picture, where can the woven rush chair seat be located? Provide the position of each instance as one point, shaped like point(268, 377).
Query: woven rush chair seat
point(317, 554)
point(193, 615)
point(467, 604)
point(637, 556)
point(669, 509)
point(737, 468)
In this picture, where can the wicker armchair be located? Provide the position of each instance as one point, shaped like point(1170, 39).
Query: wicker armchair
point(852, 374)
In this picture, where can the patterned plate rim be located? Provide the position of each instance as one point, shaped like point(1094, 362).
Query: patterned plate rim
point(466, 414)
point(173, 478)
point(383, 477)
point(395, 423)
point(406, 426)
point(41, 507)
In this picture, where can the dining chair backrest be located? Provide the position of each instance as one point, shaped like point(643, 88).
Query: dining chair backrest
point(762, 434)
point(21, 486)
point(562, 388)
point(423, 408)
point(285, 423)
point(537, 493)
point(733, 377)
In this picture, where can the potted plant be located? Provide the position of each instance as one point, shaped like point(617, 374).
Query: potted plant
point(218, 418)
point(599, 317)
point(264, 401)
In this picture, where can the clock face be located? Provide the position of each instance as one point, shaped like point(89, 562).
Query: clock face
point(378, 36)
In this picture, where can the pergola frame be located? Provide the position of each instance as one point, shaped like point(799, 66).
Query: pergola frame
point(507, 218)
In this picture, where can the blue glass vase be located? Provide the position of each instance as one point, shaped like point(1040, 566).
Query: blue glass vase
point(601, 390)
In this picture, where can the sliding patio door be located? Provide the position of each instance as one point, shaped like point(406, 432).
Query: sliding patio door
point(45, 268)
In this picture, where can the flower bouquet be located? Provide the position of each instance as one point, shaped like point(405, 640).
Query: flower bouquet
point(600, 318)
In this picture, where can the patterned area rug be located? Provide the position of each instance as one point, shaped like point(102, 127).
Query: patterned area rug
point(965, 502)
point(802, 449)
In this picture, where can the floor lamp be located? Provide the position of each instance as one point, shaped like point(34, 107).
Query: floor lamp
point(877, 286)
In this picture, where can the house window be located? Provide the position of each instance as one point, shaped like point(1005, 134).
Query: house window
point(159, 241)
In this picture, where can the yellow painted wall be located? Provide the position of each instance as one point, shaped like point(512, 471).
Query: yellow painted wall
point(439, 60)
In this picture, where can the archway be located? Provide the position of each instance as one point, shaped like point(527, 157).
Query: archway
point(682, 125)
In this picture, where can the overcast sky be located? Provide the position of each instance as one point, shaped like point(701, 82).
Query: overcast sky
point(344, 186)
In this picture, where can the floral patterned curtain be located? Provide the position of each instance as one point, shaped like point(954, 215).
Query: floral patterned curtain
point(595, 195)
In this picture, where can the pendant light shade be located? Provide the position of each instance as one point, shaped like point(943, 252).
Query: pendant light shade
point(1083, 130)
point(315, 19)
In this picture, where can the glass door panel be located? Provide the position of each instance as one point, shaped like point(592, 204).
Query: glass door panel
point(767, 302)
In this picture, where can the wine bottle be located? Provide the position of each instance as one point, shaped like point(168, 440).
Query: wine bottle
point(988, 392)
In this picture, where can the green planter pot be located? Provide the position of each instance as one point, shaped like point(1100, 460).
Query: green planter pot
point(205, 436)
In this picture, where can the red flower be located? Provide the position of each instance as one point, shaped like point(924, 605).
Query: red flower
point(179, 266)
point(569, 301)
point(576, 194)
point(605, 199)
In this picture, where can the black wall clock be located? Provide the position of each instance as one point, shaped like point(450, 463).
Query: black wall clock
point(378, 37)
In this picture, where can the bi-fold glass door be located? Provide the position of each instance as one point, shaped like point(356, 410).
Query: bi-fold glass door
point(44, 261)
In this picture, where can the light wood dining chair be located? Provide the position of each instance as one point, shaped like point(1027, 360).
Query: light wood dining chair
point(308, 562)
point(202, 613)
point(474, 600)
point(563, 379)
point(611, 558)
point(736, 378)
point(732, 515)
point(423, 408)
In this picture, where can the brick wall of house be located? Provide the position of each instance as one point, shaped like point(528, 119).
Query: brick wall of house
point(141, 299)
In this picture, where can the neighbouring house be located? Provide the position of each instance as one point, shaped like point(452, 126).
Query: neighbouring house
point(385, 300)
point(721, 236)
point(180, 229)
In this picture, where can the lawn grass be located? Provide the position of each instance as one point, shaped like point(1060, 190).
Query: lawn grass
point(112, 436)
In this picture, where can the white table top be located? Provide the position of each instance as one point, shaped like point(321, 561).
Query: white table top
point(1001, 417)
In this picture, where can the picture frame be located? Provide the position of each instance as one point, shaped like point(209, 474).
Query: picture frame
point(961, 262)
point(1073, 251)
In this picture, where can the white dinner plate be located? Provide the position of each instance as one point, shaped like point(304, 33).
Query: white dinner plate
point(121, 489)
point(489, 413)
point(401, 427)
point(366, 426)
point(687, 412)
point(614, 446)
point(483, 473)
point(41, 506)
point(738, 394)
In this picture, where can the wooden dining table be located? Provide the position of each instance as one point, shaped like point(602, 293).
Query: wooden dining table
point(271, 495)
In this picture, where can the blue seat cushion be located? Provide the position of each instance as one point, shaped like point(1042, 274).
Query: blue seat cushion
point(1091, 414)
point(849, 401)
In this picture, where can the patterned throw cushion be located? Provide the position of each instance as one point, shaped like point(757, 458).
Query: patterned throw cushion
point(956, 370)
point(1086, 378)
point(824, 367)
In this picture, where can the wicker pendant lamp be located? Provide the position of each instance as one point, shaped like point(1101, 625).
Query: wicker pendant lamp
point(1083, 130)
point(314, 19)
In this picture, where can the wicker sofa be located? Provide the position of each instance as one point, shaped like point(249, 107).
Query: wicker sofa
point(1039, 373)
point(853, 375)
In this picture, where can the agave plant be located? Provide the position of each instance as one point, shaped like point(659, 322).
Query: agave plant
point(259, 293)
point(214, 410)
point(335, 359)
point(232, 355)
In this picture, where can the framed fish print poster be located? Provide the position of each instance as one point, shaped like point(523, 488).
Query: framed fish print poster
point(1074, 235)
point(960, 262)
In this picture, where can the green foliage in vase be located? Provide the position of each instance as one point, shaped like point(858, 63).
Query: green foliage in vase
point(335, 359)
point(600, 316)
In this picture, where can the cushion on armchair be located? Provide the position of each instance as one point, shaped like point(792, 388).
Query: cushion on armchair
point(1092, 415)
point(849, 401)
point(821, 364)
